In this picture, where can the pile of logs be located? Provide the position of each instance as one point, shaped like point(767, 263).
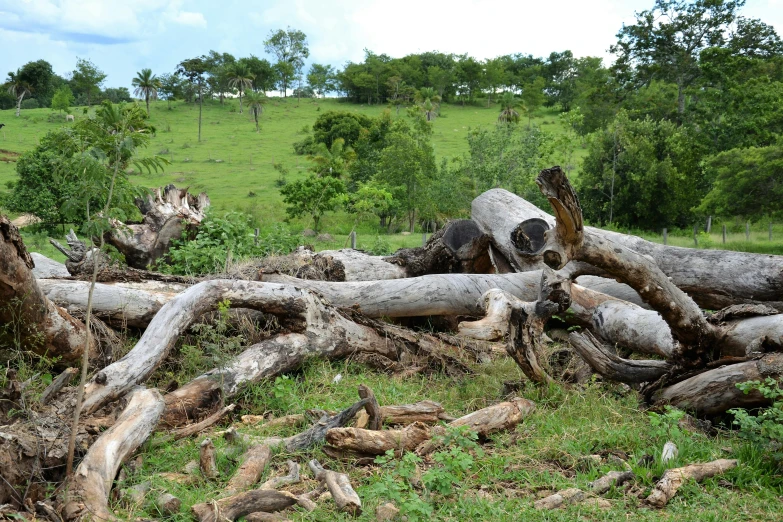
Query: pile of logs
point(490, 282)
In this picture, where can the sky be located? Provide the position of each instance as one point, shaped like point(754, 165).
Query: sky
point(123, 36)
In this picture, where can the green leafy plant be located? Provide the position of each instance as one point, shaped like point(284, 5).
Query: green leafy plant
point(765, 428)
point(396, 485)
point(665, 425)
point(214, 343)
point(380, 247)
point(455, 460)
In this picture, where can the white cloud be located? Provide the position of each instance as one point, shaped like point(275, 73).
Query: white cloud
point(189, 18)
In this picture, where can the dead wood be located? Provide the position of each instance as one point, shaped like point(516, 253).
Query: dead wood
point(374, 442)
point(167, 213)
point(88, 494)
point(35, 323)
point(614, 478)
point(427, 411)
point(207, 460)
point(339, 486)
point(193, 429)
point(249, 472)
point(317, 432)
point(708, 276)
point(291, 478)
point(673, 479)
point(373, 409)
point(167, 504)
point(260, 516)
point(58, 384)
point(613, 367)
point(564, 497)
point(233, 507)
point(498, 417)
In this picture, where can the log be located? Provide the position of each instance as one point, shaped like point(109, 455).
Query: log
point(167, 504)
point(613, 367)
point(614, 478)
point(564, 497)
point(249, 472)
point(47, 268)
point(372, 408)
point(207, 459)
point(260, 516)
point(339, 486)
point(233, 507)
point(35, 323)
point(58, 384)
point(428, 412)
point(315, 326)
point(673, 479)
point(88, 494)
point(374, 442)
point(708, 276)
point(168, 212)
point(350, 265)
point(193, 429)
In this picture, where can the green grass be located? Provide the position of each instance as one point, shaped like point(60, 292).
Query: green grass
point(549, 451)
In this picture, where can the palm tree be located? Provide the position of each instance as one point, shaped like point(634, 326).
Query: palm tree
point(147, 85)
point(240, 78)
point(332, 161)
point(18, 88)
point(429, 102)
point(508, 108)
point(255, 104)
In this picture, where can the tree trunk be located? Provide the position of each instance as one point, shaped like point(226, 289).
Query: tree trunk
point(34, 322)
point(708, 276)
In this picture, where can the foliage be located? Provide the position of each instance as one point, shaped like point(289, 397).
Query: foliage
point(332, 125)
point(748, 183)
point(641, 173)
point(322, 79)
point(665, 425)
point(766, 427)
point(62, 99)
point(214, 344)
point(290, 48)
point(146, 86)
point(455, 460)
point(380, 247)
point(87, 79)
point(313, 196)
point(395, 485)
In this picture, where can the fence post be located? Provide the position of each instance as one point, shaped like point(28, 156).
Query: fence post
point(696, 236)
point(724, 234)
point(770, 231)
point(665, 235)
point(255, 239)
point(353, 239)
point(709, 224)
point(747, 231)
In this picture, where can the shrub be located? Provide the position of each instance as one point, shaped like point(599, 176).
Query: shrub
point(766, 428)
point(30, 103)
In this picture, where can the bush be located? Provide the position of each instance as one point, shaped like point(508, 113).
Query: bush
point(766, 428)
point(305, 146)
point(30, 103)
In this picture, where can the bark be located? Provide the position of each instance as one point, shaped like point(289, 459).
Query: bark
point(88, 494)
point(231, 508)
point(340, 487)
point(167, 214)
point(208, 422)
point(372, 408)
point(673, 479)
point(167, 504)
point(428, 412)
point(207, 462)
point(292, 477)
point(564, 497)
point(46, 268)
point(613, 367)
point(34, 322)
point(372, 442)
point(58, 384)
point(614, 478)
point(713, 278)
point(249, 472)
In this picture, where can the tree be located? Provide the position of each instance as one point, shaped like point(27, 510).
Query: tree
point(240, 78)
point(508, 108)
point(290, 48)
point(147, 86)
point(332, 161)
point(748, 183)
point(19, 87)
point(469, 73)
point(87, 79)
point(429, 102)
point(42, 80)
point(219, 67)
point(322, 79)
point(313, 196)
point(666, 41)
point(255, 104)
point(264, 75)
point(332, 125)
point(494, 76)
point(193, 70)
point(62, 99)
point(533, 97)
point(170, 87)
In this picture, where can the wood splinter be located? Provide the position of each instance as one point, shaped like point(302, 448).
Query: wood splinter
point(339, 486)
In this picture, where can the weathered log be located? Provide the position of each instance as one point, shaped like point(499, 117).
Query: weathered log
point(88, 494)
point(35, 323)
point(673, 479)
point(317, 432)
point(167, 504)
point(292, 477)
point(372, 408)
point(231, 508)
point(613, 367)
point(167, 214)
point(428, 412)
point(46, 268)
point(315, 326)
point(564, 497)
point(340, 487)
point(498, 417)
point(350, 265)
point(377, 442)
point(710, 277)
point(207, 460)
point(249, 472)
point(715, 391)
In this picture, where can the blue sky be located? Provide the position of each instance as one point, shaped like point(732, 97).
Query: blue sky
point(123, 36)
